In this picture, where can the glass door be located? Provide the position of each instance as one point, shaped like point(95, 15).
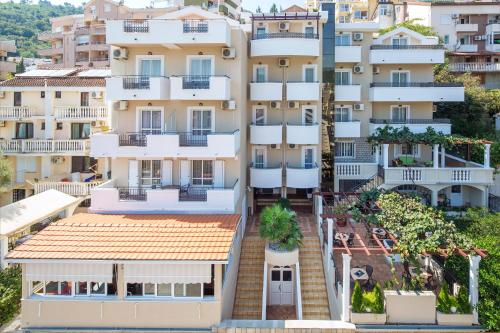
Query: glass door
point(203, 173)
point(399, 114)
point(400, 79)
point(259, 158)
point(200, 70)
point(151, 122)
point(308, 116)
point(342, 114)
point(201, 122)
point(150, 67)
point(342, 78)
point(260, 116)
point(308, 158)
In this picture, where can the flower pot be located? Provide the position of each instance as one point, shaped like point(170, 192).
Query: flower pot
point(277, 257)
point(341, 220)
point(368, 318)
point(455, 319)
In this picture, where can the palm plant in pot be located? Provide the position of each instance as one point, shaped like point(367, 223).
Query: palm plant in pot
point(280, 227)
point(341, 214)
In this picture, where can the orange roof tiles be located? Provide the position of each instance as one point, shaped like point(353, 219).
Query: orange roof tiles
point(69, 81)
point(133, 237)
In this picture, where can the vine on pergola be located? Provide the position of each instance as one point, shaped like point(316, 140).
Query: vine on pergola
point(404, 135)
point(419, 229)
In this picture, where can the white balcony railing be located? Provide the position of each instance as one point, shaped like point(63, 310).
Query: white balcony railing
point(348, 53)
point(468, 27)
point(266, 134)
point(16, 112)
point(71, 188)
point(348, 93)
point(33, 146)
point(300, 177)
point(416, 92)
point(467, 48)
point(266, 91)
point(285, 44)
point(302, 134)
point(406, 54)
point(302, 91)
point(137, 88)
point(348, 129)
point(474, 67)
point(414, 125)
point(419, 175)
point(266, 177)
point(355, 170)
point(190, 87)
point(81, 113)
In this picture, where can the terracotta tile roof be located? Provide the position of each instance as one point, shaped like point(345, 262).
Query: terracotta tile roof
point(133, 237)
point(68, 81)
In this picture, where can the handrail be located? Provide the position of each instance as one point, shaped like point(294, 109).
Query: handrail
point(411, 121)
point(314, 166)
point(254, 124)
point(415, 84)
point(406, 47)
point(252, 165)
point(313, 124)
point(274, 35)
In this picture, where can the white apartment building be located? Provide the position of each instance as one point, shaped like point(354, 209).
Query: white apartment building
point(46, 119)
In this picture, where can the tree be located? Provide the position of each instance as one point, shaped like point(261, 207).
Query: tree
point(412, 25)
point(258, 10)
point(5, 173)
point(10, 293)
point(20, 67)
point(274, 8)
point(280, 227)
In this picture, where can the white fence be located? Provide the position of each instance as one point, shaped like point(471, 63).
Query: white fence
point(71, 188)
point(44, 146)
point(81, 112)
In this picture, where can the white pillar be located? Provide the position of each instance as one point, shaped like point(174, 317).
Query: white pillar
point(487, 148)
point(346, 286)
point(319, 211)
point(49, 114)
point(435, 157)
point(45, 167)
point(377, 154)
point(443, 157)
point(105, 169)
point(385, 154)
point(474, 284)
point(434, 198)
point(329, 249)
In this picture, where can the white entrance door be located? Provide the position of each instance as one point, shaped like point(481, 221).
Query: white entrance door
point(456, 196)
point(281, 286)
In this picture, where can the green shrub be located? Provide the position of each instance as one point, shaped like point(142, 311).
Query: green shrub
point(357, 298)
point(284, 203)
point(444, 299)
point(463, 304)
point(279, 226)
point(10, 293)
point(378, 295)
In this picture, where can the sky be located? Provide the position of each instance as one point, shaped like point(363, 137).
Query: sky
point(247, 4)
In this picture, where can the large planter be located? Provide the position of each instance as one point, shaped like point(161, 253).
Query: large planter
point(341, 220)
point(410, 307)
point(368, 318)
point(280, 257)
point(455, 319)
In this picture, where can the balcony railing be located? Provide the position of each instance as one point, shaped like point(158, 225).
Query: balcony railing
point(71, 188)
point(133, 139)
point(132, 194)
point(410, 121)
point(44, 146)
point(81, 112)
point(285, 35)
point(15, 112)
point(192, 140)
point(198, 26)
point(474, 67)
point(186, 139)
point(406, 47)
point(136, 82)
point(196, 82)
point(136, 26)
point(414, 84)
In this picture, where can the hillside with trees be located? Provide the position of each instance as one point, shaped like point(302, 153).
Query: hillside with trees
point(23, 22)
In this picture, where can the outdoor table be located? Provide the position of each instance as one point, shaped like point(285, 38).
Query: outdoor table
point(379, 232)
point(341, 236)
point(358, 273)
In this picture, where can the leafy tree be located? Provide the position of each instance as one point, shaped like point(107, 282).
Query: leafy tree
point(20, 66)
point(274, 8)
point(412, 25)
point(5, 173)
point(279, 226)
point(10, 293)
point(258, 10)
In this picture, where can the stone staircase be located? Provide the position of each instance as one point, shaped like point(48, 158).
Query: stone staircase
point(312, 281)
point(248, 300)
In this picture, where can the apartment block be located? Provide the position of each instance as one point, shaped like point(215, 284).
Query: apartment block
point(6, 67)
point(46, 119)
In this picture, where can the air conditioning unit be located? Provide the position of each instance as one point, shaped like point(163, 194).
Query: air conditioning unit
point(358, 69)
point(229, 105)
point(228, 52)
point(275, 146)
point(293, 146)
point(293, 105)
point(359, 107)
point(2, 123)
point(283, 62)
point(357, 36)
point(376, 70)
point(120, 53)
point(478, 37)
point(275, 105)
point(284, 26)
point(122, 105)
point(2, 94)
point(97, 94)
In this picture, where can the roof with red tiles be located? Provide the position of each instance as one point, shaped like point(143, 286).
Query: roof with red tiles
point(59, 77)
point(133, 237)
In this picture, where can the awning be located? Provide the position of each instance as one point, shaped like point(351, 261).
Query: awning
point(93, 272)
point(168, 273)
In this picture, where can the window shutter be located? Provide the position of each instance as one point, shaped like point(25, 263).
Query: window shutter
point(133, 173)
point(219, 173)
point(185, 172)
point(166, 172)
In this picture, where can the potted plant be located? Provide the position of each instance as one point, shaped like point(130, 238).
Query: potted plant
point(356, 214)
point(341, 216)
point(453, 310)
point(368, 306)
point(278, 225)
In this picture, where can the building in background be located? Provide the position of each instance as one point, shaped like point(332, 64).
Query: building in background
point(6, 67)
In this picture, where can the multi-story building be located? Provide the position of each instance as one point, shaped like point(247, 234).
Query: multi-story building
point(46, 118)
point(80, 40)
point(6, 67)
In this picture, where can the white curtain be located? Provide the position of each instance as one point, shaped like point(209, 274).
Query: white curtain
point(168, 273)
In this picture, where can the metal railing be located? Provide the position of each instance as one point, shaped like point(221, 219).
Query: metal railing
point(132, 194)
point(136, 26)
point(136, 82)
point(193, 193)
point(190, 26)
point(303, 167)
point(285, 35)
point(410, 121)
point(415, 84)
point(189, 139)
point(406, 47)
point(266, 167)
point(196, 82)
point(133, 139)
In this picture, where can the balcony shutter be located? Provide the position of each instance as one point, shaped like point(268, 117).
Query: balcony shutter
point(94, 272)
point(185, 172)
point(167, 273)
point(133, 173)
point(166, 172)
point(219, 174)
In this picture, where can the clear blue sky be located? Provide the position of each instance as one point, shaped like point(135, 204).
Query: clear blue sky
point(247, 4)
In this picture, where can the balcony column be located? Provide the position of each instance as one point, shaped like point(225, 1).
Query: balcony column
point(435, 156)
point(443, 157)
point(329, 245)
point(474, 284)
point(385, 154)
point(377, 154)
point(434, 198)
point(487, 148)
point(346, 286)
point(105, 169)
point(48, 114)
point(45, 167)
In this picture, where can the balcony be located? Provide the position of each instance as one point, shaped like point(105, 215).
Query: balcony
point(300, 177)
point(302, 91)
point(302, 134)
point(467, 48)
point(137, 88)
point(474, 67)
point(157, 145)
point(348, 54)
point(48, 52)
point(406, 54)
point(191, 87)
point(81, 113)
point(77, 189)
point(93, 46)
point(285, 44)
point(49, 35)
point(431, 176)
point(42, 147)
point(266, 91)
point(416, 92)
point(348, 93)
point(215, 32)
point(17, 112)
point(8, 66)
point(266, 177)
point(469, 27)
point(414, 125)
point(348, 129)
point(266, 134)
point(109, 198)
point(355, 170)
point(493, 33)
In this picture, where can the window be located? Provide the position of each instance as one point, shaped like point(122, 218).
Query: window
point(202, 174)
point(59, 126)
point(168, 289)
point(83, 164)
point(399, 41)
point(150, 172)
point(42, 94)
point(400, 78)
point(151, 121)
point(447, 39)
point(383, 10)
point(399, 113)
point(200, 68)
point(345, 149)
point(344, 19)
point(309, 73)
point(308, 115)
point(308, 155)
point(342, 78)
point(342, 114)
point(260, 73)
point(58, 288)
point(309, 32)
point(42, 127)
point(261, 31)
point(17, 98)
point(58, 94)
point(360, 14)
point(80, 131)
point(150, 66)
point(24, 131)
point(343, 40)
point(84, 98)
point(201, 121)
point(187, 290)
point(83, 40)
point(18, 194)
point(259, 117)
point(343, 7)
point(134, 289)
point(407, 150)
point(259, 161)
point(164, 289)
